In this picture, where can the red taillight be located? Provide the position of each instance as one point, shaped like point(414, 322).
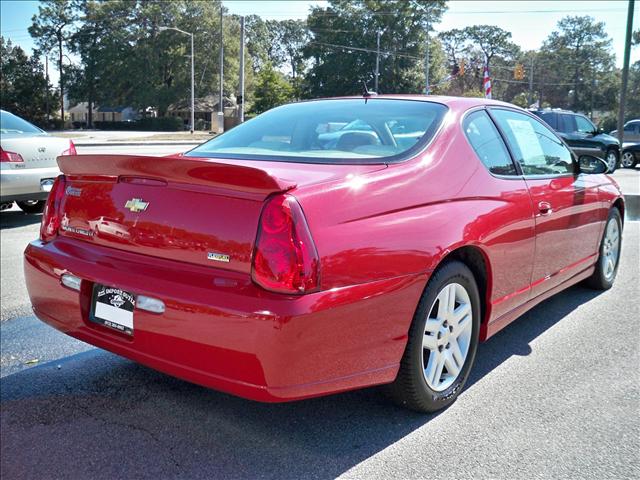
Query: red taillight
point(285, 258)
point(71, 150)
point(52, 218)
point(10, 157)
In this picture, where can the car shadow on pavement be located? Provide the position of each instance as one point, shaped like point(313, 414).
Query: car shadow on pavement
point(128, 420)
point(14, 219)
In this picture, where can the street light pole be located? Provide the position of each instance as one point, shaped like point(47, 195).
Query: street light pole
point(192, 125)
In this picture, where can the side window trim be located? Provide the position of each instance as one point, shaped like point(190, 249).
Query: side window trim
point(517, 162)
point(518, 175)
point(506, 144)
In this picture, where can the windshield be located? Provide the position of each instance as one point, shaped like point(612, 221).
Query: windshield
point(331, 131)
point(9, 123)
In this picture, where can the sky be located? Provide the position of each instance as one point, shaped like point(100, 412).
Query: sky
point(529, 22)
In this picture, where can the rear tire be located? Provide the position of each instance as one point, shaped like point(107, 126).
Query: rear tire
point(609, 258)
point(32, 206)
point(444, 335)
point(612, 158)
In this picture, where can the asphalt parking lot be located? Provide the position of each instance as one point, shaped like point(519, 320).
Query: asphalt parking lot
point(554, 395)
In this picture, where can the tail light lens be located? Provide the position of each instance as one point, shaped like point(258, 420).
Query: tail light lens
point(52, 217)
point(10, 157)
point(71, 150)
point(285, 258)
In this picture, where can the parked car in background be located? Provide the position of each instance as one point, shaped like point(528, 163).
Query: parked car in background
point(582, 136)
point(28, 163)
point(630, 155)
point(269, 265)
point(630, 133)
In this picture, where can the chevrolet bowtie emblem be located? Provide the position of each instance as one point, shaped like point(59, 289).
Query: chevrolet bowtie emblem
point(136, 205)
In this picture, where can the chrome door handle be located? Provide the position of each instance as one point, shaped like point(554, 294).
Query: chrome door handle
point(545, 208)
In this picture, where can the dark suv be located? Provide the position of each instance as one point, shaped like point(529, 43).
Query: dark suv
point(582, 136)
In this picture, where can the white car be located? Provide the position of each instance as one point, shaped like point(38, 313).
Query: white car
point(28, 164)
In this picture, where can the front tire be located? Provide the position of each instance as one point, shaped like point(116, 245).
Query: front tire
point(611, 158)
point(32, 206)
point(442, 343)
point(610, 246)
point(628, 160)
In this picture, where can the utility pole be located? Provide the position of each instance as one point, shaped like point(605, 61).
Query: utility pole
point(61, 78)
point(531, 81)
point(426, 60)
point(375, 89)
point(193, 88)
point(46, 75)
point(221, 93)
point(625, 72)
point(241, 96)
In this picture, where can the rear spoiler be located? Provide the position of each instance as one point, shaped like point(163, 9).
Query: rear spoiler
point(238, 176)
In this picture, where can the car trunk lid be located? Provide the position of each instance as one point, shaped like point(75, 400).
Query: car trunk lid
point(194, 210)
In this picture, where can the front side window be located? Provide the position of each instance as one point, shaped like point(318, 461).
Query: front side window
point(331, 131)
point(584, 125)
point(534, 146)
point(487, 143)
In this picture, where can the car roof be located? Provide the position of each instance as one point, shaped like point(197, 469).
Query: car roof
point(458, 103)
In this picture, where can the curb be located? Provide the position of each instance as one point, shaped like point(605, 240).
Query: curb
point(632, 206)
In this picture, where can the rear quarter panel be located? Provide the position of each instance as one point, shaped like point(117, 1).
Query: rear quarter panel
point(407, 218)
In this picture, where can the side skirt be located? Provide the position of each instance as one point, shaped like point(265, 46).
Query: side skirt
point(490, 329)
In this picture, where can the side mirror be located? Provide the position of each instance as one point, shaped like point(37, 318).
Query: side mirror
point(592, 165)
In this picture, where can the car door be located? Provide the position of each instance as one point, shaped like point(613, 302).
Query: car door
point(632, 132)
point(567, 215)
point(511, 241)
point(580, 135)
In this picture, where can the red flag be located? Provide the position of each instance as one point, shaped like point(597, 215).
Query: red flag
point(486, 82)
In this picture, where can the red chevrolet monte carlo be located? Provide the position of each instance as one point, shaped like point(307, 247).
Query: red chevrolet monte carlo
point(325, 246)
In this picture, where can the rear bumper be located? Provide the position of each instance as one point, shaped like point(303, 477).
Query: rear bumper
point(24, 183)
point(221, 331)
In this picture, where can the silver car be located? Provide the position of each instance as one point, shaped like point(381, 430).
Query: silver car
point(28, 164)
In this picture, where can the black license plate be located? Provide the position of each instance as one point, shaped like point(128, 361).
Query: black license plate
point(113, 308)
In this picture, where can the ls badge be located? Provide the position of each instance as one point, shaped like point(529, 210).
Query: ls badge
point(218, 257)
point(136, 205)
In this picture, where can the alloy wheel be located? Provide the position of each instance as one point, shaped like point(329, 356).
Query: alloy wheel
point(447, 337)
point(627, 159)
point(612, 160)
point(610, 249)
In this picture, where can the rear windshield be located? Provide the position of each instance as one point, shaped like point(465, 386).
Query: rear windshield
point(9, 123)
point(331, 131)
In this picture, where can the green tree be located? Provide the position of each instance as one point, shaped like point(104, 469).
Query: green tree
point(342, 52)
point(272, 89)
point(51, 29)
point(474, 47)
point(23, 85)
point(577, 66)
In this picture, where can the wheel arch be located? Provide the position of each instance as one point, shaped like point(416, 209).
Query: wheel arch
point(476, 259)
point(619, 204)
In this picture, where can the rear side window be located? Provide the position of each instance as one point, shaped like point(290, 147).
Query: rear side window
point(487, 143)
point(10, 123)
point(551, 119)
point(567, 123)
point(534, 146)
point(341, 131)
